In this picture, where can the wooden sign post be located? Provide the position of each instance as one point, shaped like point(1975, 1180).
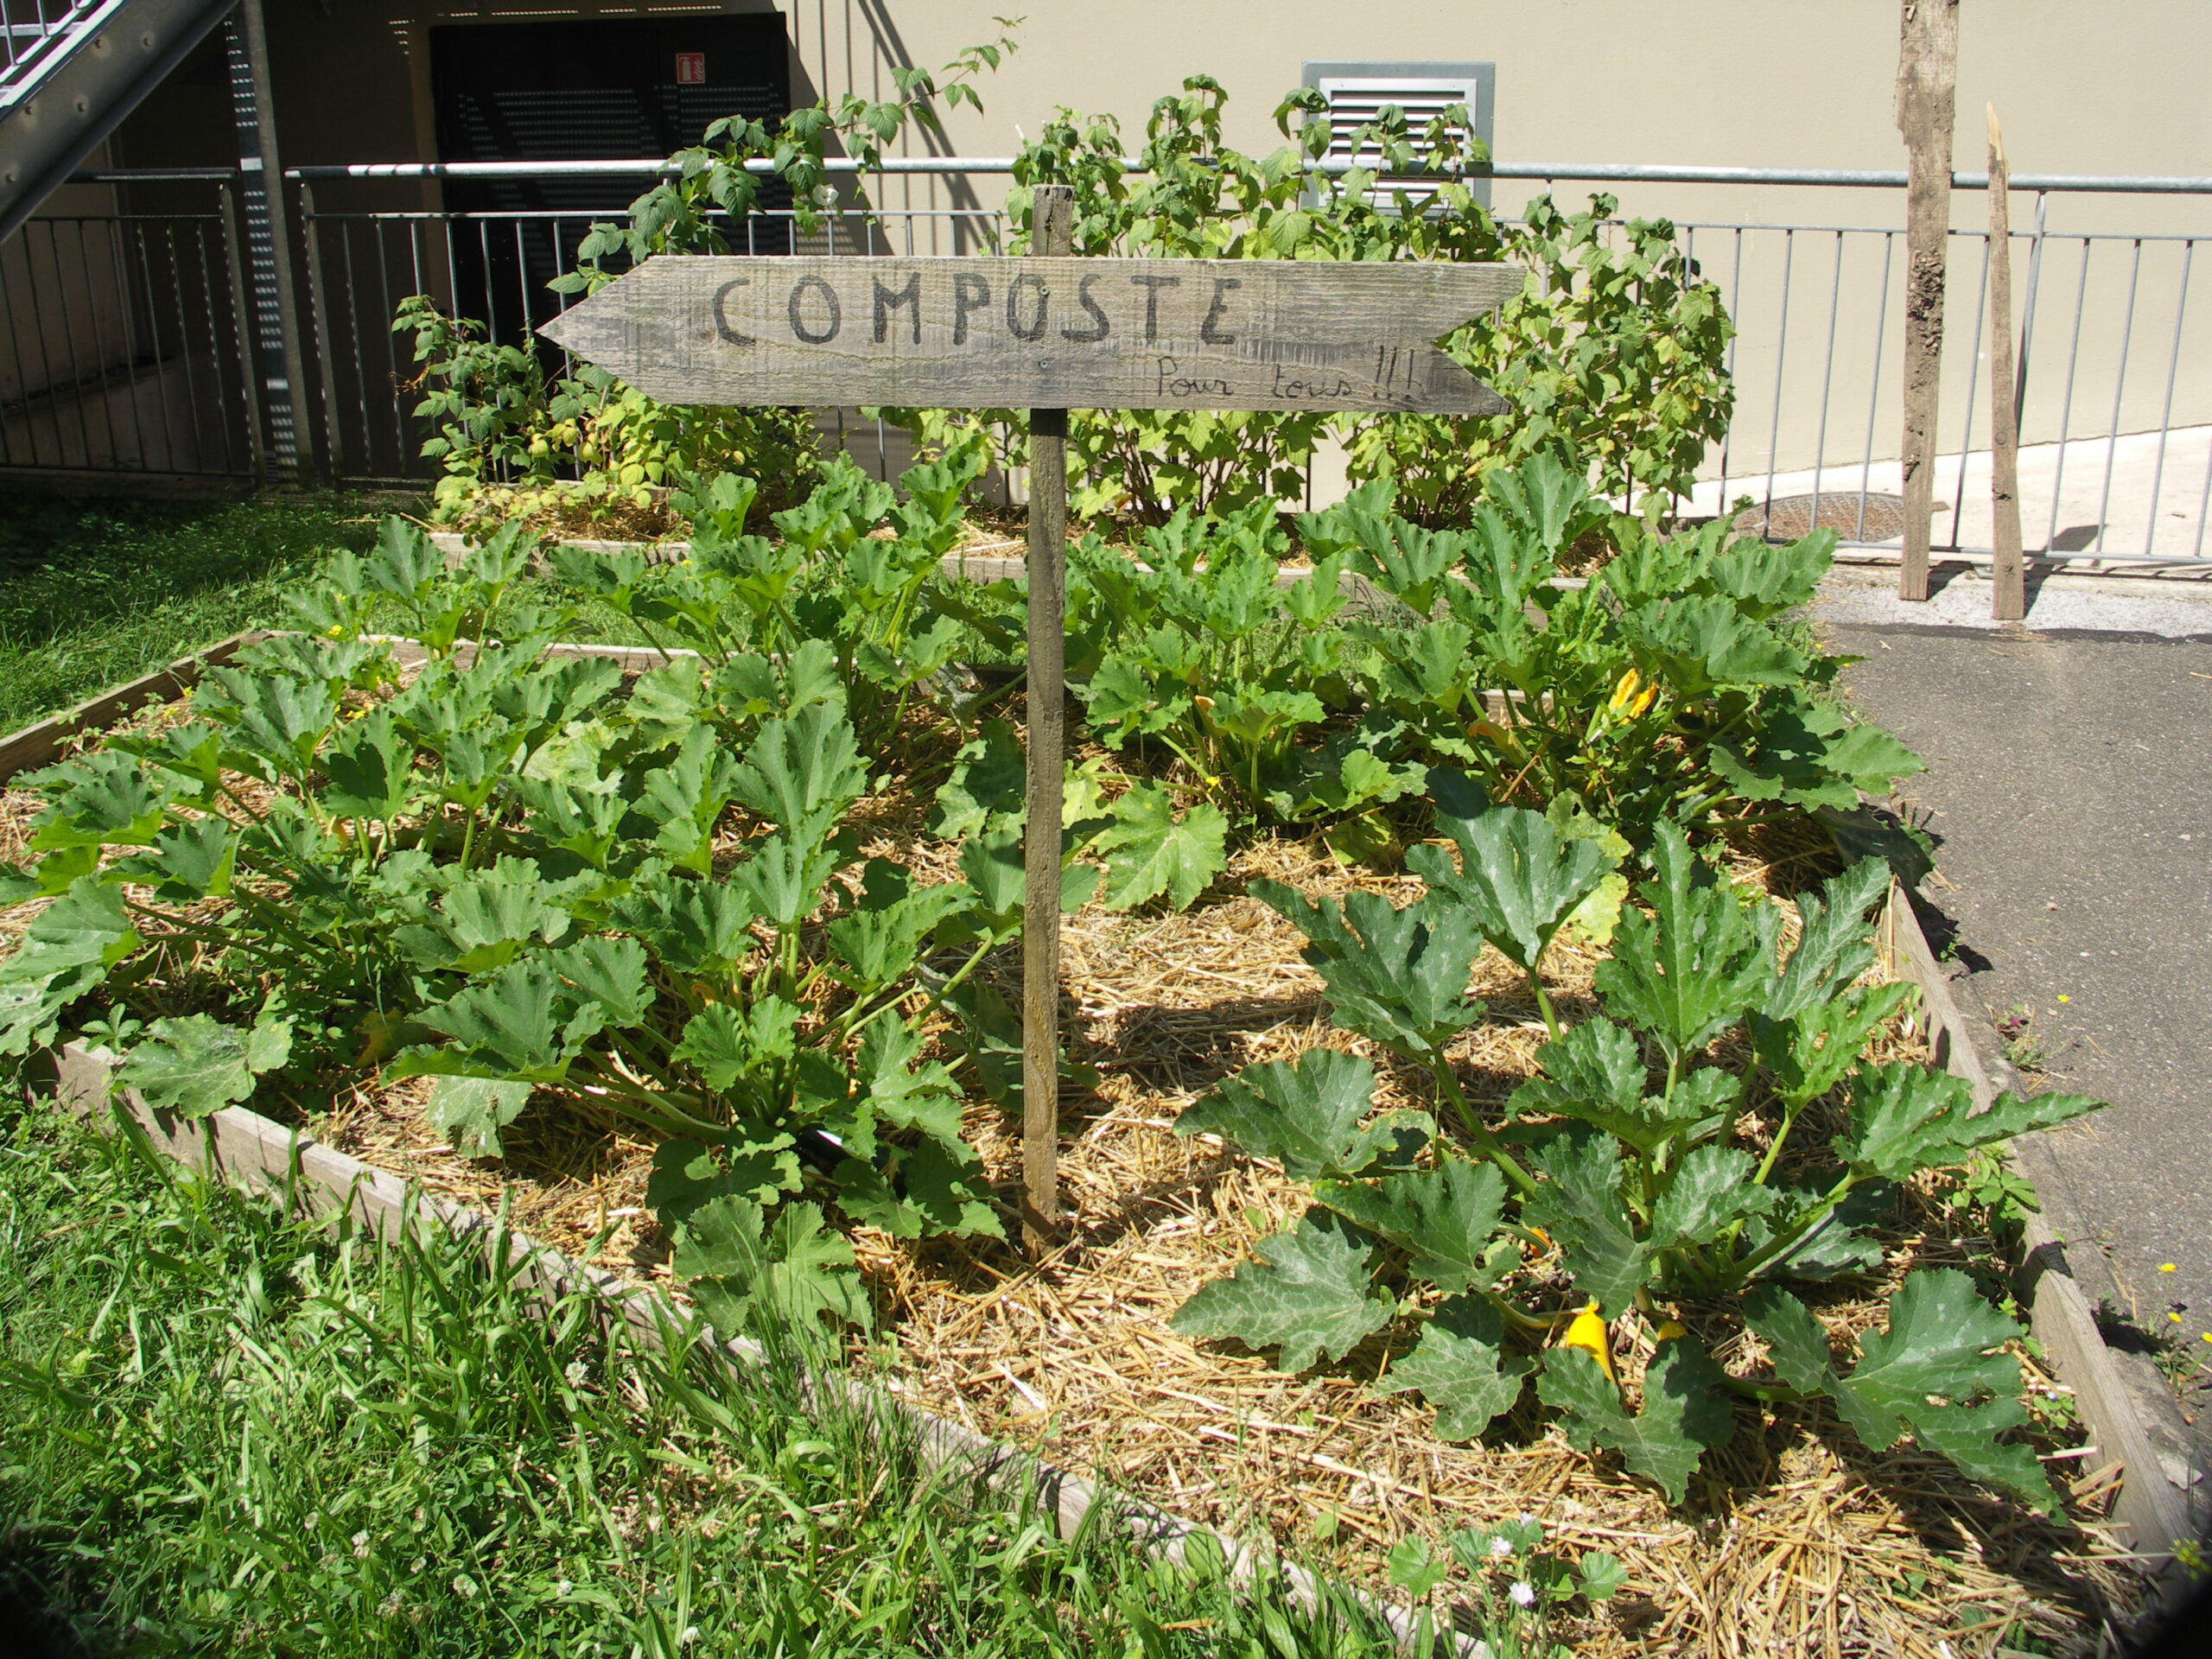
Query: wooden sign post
point(1046, 333)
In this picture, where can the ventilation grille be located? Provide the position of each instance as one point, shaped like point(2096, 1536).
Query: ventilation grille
point(1357, 101)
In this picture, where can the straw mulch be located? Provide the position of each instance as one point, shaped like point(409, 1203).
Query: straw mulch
point(1796, 1540)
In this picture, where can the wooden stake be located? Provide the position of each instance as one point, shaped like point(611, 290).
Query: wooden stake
point(1927, 63)
point(2008, 577)
point(1051, 232)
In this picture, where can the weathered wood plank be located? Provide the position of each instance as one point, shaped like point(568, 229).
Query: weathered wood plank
point(1046, 332)
point(1927, 68)
point(1052, 225)
point(35, 745)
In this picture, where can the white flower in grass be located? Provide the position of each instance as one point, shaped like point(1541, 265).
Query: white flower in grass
point(464, 1586)
point(576, 1372)
point(1500, 1548)
point(690, 1635)
point(360, 1543)
point(1523, 1593)
point(562, 1587)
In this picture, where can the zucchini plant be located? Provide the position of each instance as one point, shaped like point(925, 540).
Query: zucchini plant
point(1708, 1136)
point(519, 877)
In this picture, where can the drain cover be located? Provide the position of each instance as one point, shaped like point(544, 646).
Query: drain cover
point(1853, 516)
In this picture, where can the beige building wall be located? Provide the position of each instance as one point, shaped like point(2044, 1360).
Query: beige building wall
point(2115, 88)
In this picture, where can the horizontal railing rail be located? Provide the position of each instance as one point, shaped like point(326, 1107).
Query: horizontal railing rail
point(2113, 405)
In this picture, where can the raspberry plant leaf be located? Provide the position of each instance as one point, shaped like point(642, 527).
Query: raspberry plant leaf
point(1461, 1369)
point(1309, 1293)
point(1685, 1412)
point(1305, 1114)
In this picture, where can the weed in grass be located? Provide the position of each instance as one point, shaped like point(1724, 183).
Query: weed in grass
point(224, 1431)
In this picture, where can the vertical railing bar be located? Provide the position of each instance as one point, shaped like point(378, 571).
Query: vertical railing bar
point(2028, 314)
point(118, 273)
point(399, 455)
point(1974, 380)
point(326, 350)
point(1735, 333)
point(184, 333)
point(1827, 380)
point(1781, 357)
point(2066, 404)
point(69, 334)
point(1874, 396)
point(2119, 391)
point(216, 354)
point(522, 282)
point(351, 271)
point(153, 325)
point(2166, 414)
point(2203, 504)
point(16, 353)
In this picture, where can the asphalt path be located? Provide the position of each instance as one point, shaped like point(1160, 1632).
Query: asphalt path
point(2069, 788)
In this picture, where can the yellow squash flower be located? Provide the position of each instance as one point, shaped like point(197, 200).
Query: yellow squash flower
point(1587, 1332)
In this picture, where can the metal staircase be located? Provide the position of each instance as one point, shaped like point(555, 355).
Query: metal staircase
point(70, 70)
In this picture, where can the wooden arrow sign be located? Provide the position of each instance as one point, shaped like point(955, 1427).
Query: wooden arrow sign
point(1041, 332)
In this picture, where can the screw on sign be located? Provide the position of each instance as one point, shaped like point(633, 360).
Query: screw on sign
point(1048, 332)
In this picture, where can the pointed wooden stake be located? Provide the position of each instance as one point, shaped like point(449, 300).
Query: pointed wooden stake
point(1050, 231)
point(2008, 576)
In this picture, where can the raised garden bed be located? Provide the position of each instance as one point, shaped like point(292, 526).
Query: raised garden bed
point(1792, 1534)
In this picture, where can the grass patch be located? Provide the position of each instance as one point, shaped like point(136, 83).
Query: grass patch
point(224, 1431)
point(94, 593)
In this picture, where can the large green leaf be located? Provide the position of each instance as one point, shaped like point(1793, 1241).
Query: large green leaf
point(193, 858)
point(1149, 851)
point(1444, 1219)
point(1685, 1413)
point(1398, 976)
point(803, 771)
point(686, 798)
point(473, 1110)
point(1922, 1375)
point(65, 952)
point(523, 1021)
point(749, 1274)
point(1905, 1118)
point(370, 768)
point(694, 927)
point(785, 877)
point(1833, 945)
point(988, 785)
point(1594, 1073)
point(880, 941)
point(1461, 1368)
point(1579, 1204)
point(194, 1065)
point(1310, 1294)
point(1694, 645)
point(102, 799)
point(1710, 1188)
point(1305, 1114)
point(1688, 969)
point(1519, 876)
point(1811, 1051)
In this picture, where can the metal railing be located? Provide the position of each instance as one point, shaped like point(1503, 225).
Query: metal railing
point(30, 29)
point(120, 346)
point(2115, 387)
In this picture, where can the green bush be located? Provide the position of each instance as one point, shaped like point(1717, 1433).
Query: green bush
point(1613, 352)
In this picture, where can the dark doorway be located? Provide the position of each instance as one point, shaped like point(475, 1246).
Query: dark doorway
point(624, 91)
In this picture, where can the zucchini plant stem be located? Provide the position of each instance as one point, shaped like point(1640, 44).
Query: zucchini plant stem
point(1491, 1146)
